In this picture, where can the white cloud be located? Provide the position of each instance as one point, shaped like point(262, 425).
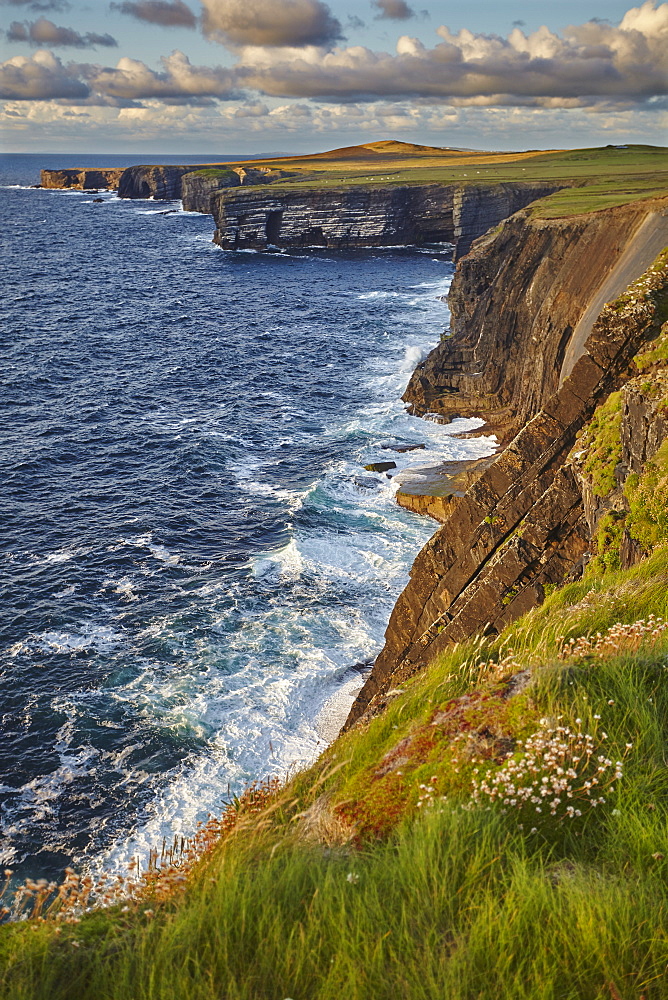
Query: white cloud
point(243, 126)
point(43, 77)
point(132, 79)
point(596, 65)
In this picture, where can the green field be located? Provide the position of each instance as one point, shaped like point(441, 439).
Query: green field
point(597, 178)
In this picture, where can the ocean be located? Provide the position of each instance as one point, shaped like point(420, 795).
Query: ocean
point(192, 556)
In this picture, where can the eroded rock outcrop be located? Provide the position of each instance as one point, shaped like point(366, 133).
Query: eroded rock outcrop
point(150, 181)
point(526, 522)
point(194, 184)
point(198, 187)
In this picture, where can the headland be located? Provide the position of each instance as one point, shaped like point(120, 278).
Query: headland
point(492, 823)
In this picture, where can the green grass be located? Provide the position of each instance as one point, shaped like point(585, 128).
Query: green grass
point(215, 173)
point(449, 901)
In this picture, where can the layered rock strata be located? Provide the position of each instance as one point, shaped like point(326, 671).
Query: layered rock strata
point(516, 301)
point(251, 216)
point(332, 217)
point(362, 216)
point(198, 188)
point(193, 184)
point(435, 489)
point(479, 207)
point(164, 183)
point(524, 523)
point(101, 179)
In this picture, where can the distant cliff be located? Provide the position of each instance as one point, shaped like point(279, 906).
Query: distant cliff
point(538, 512)
point(100, 178)
point(365, 216)
point(252, 211)
point(193, 184)
point(161, 182)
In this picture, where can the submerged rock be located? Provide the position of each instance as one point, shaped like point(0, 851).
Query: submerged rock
point(401, 448)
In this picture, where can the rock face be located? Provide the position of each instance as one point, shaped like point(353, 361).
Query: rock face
point(193, 184)
point(515, 301)
point(525, 522)
point(161, 183)
point(479, 207)
point(82, 180)
point(332, 217)
point(353, 216)
point(363, 216)
point(434, 491)
point(198, 188)
point(619, 446)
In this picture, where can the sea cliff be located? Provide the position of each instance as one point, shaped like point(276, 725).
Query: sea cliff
point(99, 178)
point(492, 823)
point(365, 216)
point(516, 301)
point(520, 357)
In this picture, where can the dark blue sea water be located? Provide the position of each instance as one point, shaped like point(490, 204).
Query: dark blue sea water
point(191, 554)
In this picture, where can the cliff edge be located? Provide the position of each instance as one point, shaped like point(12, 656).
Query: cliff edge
point(366, 215)
point(529, 521)
point(516, 301)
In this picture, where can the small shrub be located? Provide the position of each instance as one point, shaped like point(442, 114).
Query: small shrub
point(602, 445)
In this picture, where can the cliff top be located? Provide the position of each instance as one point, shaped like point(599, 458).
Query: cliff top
point(596, 178)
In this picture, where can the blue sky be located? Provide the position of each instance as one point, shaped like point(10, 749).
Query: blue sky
point(245, 76)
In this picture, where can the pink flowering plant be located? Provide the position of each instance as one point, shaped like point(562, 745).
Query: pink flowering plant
point(556, 776)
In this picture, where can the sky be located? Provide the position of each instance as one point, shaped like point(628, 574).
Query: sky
point(231, 77)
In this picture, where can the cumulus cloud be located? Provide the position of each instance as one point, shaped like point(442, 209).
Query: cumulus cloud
point(44, 32)
point(44, 77)
point(395, 10)
point(589, 63)
point(39, 77)
point(168, 13)
point(595, 66)
point(292, 23)
point(132, 79)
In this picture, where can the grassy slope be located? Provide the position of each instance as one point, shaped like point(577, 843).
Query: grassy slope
point(597, 178)
point(394, 884)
